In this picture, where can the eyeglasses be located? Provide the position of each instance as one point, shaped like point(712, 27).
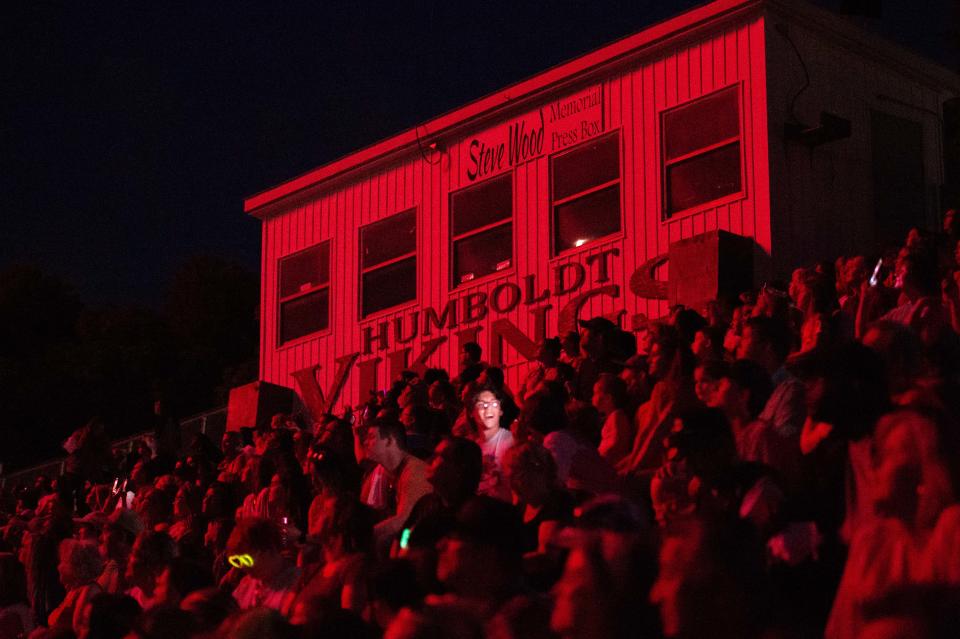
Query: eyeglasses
point(485, 405)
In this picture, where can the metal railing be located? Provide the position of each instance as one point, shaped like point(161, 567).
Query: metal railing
point(212, 423)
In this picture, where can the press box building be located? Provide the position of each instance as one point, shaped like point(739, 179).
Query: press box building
point(741, 138)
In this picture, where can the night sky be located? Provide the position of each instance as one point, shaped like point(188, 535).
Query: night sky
point(131, 132)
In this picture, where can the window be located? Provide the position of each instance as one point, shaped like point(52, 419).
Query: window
point(482, 229)
point(701, 151)
point(388, 262)
point(585, 193)
point(305, 292)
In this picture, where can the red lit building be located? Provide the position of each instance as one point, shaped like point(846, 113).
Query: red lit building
point(571, 194)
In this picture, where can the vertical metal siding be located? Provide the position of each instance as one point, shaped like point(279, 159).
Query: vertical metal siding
point(632, 102)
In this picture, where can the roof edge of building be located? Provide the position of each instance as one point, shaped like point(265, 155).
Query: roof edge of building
point(496, 104)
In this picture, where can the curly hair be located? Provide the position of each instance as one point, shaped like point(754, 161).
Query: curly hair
point(84, 559)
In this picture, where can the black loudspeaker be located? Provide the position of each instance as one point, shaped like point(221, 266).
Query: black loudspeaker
point(714, 265)
point(950, 197)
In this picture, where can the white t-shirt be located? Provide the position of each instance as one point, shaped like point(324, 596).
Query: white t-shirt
point(493, 482)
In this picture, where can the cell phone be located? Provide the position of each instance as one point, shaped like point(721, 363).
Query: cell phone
point(875, 278)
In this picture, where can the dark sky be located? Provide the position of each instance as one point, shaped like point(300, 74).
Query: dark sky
point(131, 133)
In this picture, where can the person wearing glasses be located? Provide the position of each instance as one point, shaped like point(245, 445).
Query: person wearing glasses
point(494, 440)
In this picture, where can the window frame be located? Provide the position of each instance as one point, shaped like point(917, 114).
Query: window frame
point(553, 204)
point(665, 215)
point(509, 219)
point(303, 293)
point(361, 270)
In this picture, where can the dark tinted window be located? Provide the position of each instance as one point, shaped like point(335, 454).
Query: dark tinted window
point(589, 165)
point(703, 178)
point(389, 238)
point(702, 123)
point(304, 292)
point(304, 270)
point(586, 193)
point(389, 286)
point(701, 151)
point(483, 253)
point(481, 229)
point(483, 204)
point(388, 267)
point(587, 218)
point(304, 315)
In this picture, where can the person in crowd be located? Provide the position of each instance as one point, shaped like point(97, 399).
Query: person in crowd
point(80, 565)
point(766, 341)
point(617, 434)
point(919, 305)
point(39, 554)
point(492, 378)
point(480, 559)
point(671, 365)
point(548, 368)
point(425, 427)
point(150, 554)
point(742, 392)
point(607, 574)
point(847, 393)
point(697, 473)
point(817, 304)
point(385, 444)
point(598, 348)
point(187, 507)
point(571, 349)
point(116, 542)
point(442, 398)
point(154, 507)
point(688, 323)
point(708, 344)
point(269, 579)
point(580, 467)
point(454, 474)
point(798, 451)
point(917, 529)
point(471, 362)
point(571, 434)
point(706, 380)
point(637, 379)
point(494, 439)
point(343, 527)
point(532, 476)
point(711, 581)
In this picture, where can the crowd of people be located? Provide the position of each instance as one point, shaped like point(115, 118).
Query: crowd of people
point(782, 464)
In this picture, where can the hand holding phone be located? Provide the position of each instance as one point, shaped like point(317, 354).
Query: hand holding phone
point(875, 278)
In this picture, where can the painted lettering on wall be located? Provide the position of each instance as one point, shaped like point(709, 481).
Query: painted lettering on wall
point(459, 321)
point(559, 124)
point(576, 118)
point(564, 279)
